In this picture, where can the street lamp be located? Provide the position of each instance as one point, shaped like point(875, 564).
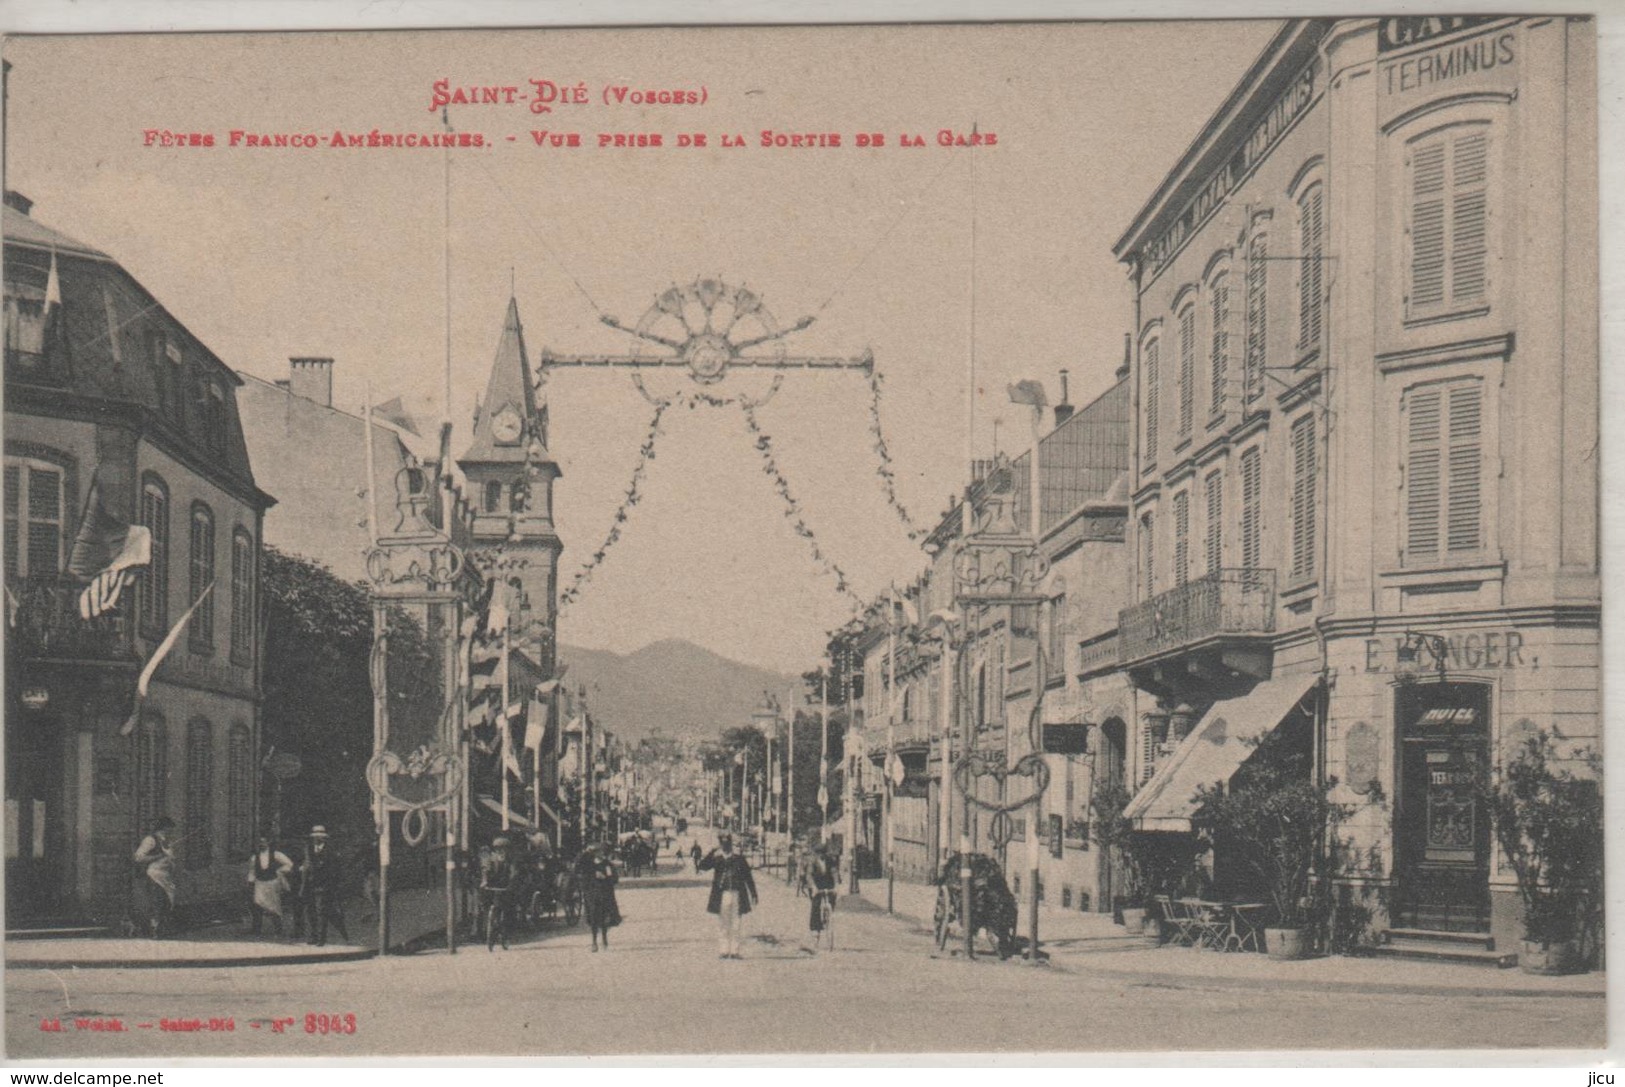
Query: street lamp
point(1437, 647)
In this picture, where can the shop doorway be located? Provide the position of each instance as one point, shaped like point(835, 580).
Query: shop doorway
point(33, 833)
point(1443, 835)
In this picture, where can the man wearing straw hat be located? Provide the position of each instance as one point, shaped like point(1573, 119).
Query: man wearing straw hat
point(322, 888)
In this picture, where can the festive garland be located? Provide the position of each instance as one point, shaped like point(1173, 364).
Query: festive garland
point(633, 493)
point(888, 478)
point(792, 509)
point(695, 399)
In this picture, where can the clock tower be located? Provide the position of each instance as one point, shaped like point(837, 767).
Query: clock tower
point(510, 483)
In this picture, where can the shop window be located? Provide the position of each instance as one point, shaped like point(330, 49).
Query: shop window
point(1444, 471)
point(35, 502)
point(153, 582)
point(200, 631)
point(1449, 219)
point(199, 792)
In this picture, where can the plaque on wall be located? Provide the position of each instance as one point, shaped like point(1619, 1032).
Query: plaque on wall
point(1360, 757)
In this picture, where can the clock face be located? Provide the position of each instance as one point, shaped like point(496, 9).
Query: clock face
point(506, 426)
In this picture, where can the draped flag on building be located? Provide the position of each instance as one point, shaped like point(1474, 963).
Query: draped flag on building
point(911, 614)
point(105, 553)
point(54, 326)
point(510, 761)
point(157, 658)
point(536, 725)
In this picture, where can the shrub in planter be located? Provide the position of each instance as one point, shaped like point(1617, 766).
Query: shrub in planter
point(1275, 821)
point(1548, 823)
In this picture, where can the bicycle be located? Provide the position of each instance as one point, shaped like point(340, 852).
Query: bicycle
point(496, 916)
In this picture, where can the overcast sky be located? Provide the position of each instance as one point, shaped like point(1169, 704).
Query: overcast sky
point(270, 253)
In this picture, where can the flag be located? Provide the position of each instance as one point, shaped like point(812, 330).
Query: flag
point(53, 308)
point(545, 689)
point(157, 658)
point(536, 726)
point(104, 551)
point(739, 759)
point(1028, 392)
point(395, 413)
point(509, 762)
point(481, 712)
point(911, 614)
point(496, 620)
point(13, 606)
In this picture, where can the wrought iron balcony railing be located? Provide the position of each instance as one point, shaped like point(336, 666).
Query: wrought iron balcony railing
point(49, 626)
point(1225, 602)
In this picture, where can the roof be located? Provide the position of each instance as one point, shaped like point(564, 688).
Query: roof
point(23, 229)
point(510, 385)
point(1080, 460)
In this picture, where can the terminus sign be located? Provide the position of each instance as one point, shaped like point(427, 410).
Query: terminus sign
point(1478, 650)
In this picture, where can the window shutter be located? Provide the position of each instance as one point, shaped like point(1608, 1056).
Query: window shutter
point(1215, 522)
point(1468, 206)
point(1311, 213)
point(1182, 526)
point(1303, 497)
point(1148, 552)
point(14, 479)
point(1422, 474)
point(1463, 527)
point(1251, 499)
point(1187, 367)
point(1427, 224)
point(1152, 351)
point(1148, 751)
point(1220, 362)
point(44, 521)
point(1257, 338)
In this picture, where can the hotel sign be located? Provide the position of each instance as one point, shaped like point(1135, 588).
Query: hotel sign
point(1404, 31)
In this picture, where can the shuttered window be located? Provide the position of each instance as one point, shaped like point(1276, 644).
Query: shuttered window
point(1153, 351)
point(1303, 498)
point(151, 770)
point(154, 580)
point(239, 791)
point(1449, 220)
point(1213, 543)
point(1444, 470)
point(200, 632)
point(199, 793)
point(1257, 315)
point(1311, 251)
point(34, 509)
point(1187, 368)
point(1219, 355)
point(1182, 536)
point(1252, 500)
point(242, 597)
point(1148, 553)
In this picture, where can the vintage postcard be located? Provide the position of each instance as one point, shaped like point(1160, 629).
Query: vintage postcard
point(892, 539)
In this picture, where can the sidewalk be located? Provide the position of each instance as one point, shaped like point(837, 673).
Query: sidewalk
point(1091, 944)
point(413, 913)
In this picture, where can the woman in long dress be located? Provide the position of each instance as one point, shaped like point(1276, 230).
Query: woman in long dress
point(598, 877)
point(155, 856)
point(268, 873)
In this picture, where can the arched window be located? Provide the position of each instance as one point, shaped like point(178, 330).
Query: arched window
point(1187, 368)
point(1449, 219)
point(151, 769)
point(1257, 358)
point(154, 581)
point(199, 792)
point(200, 633)
point(239, 790)
point(1153, 377)
point(1311, 252)
point(242, 597)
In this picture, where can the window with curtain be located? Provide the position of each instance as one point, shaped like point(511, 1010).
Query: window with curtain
point(153, 582)
point(1449, 220)
point(1444, 470)
point(200, 631)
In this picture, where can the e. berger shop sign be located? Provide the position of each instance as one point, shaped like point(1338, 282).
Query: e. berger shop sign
point(1499, 649)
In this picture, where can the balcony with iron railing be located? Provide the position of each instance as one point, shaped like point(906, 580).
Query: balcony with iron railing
point(1227, 603)
point(49, 627)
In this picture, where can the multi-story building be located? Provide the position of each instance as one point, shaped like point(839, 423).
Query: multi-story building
point(1364, 506)
point(107, 392)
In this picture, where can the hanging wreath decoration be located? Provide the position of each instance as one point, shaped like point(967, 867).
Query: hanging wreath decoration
point(888, 476)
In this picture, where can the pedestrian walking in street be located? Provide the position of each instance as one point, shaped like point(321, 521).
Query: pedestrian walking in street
point(821, 889)
point(268, 872)
point(598, 878)
point(156, 858)
point(696, 853)
point(323, 877)
point(733, 893)
point(499, 882)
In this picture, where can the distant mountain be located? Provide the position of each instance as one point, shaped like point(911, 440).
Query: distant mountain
point(672, 687)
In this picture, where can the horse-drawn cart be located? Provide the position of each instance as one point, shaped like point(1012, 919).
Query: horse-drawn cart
point(993, 907)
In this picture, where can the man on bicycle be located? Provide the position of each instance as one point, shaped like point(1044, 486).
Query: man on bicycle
point(820, 876)
point(499, 880)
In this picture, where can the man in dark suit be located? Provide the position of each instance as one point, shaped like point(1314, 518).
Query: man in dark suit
point(733, 893)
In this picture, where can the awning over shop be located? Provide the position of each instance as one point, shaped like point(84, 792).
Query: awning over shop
point(1214, 750)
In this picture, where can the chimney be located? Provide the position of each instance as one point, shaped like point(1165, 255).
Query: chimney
point(312, 378)
point(1128, 355)
point(1063, 410)
point(18, 201)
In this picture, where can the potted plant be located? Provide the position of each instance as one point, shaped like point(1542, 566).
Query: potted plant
point(1548, 823)
point(1274, 820)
